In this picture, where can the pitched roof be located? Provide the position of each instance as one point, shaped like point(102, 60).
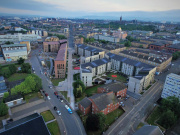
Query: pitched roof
point(12, 97)
point(85, 102)
point(61, 53)
point(89, 48)
point(149, 130)
point(103, 99)
point(175, 46)
point(13, 45)
point(30, 125)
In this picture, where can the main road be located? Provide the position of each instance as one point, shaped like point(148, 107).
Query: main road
point(127, 123)
point(70, 124)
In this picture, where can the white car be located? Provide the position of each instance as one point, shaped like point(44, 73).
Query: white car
point(67, 107)
point(48, 98)
point(58, 113)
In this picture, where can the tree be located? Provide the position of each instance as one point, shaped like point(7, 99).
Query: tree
point(3, 109)
point(127, 44)
point(176, 55)
point(77, 83)
point(30, 82)
point(6, 94)
point(140, 46)
point(92, 122)
point(8, 42)
point(167, 119)
point(38, 82)
point(20, 61)
point(78, 91)
point(26, 68)
point(95, 122)
point(0, 66)
point(7, 74)
point(12, 68)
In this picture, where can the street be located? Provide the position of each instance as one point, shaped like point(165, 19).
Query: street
point(69, 123)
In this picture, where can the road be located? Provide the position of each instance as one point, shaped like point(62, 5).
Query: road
point(127, 123)
point(70, 124)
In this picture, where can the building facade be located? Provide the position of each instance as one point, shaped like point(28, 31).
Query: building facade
point(28, 45)
point(14, 51)
point(171, 86)
point(60, 62)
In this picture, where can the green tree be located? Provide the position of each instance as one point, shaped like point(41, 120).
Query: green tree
point(6, 94)
point(30, 82)
point(167, 119)
point(8, 42)
point(78, 91)
point(20, 61)
point(12, 68)
point(3, 109)
point(92, 122)
point(176, 55)
point(7, 74)
point(38, 82)
point(102, 119)
point(26, 68)
point(127, 44)
point(77, 83)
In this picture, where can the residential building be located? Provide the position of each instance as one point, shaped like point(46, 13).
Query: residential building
point(30, 125)
point(52, 38)
point(171, 86)
point(91, 58)
point(139, 44)
point(85, 106)
point(141, 81)
point(107, 38)
point(13, 100)
point(119, 89)
point(13, 52)
point(159, 59)
point(53, 46)
point(125, 65)
point(158, 45)
point(60, 62)
point(91, 69)
point(149, 130)
point(173, 48)
point(28, 45)
point(3, 86)
point(101, 102)
point(87, 51)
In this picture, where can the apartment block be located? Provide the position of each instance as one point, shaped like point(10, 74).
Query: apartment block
point(171, 86)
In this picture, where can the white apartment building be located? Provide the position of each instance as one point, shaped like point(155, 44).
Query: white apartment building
point(14, 51)
point(18, 37)
point(87, 51)
point(171, 86)
point(91, 58)
point(107, 38)
point(91, 69)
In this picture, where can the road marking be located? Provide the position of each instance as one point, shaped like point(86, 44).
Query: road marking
point(132, 110)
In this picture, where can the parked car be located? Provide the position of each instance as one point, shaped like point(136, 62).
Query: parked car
point(58, 112)
point(46, 94)
point(67, 107)
point(50, 86)
point(55, 93)
point(10, 120)
point(69, 110)
point(61, 99)
point(43, 91)
point(48, 98)
point(58, 96)
point(55, 108)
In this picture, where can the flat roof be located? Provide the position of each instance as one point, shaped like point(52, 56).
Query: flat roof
point(13, 45)
point(175, 46)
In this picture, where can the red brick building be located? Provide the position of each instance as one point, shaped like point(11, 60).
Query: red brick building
point(85, 106)
point(53, 46)
point(173, 48)
point(101, 102)
point(60, 62)
point(119, 89)
point(158, 45)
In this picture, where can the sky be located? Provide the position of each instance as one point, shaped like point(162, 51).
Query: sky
point(83, 7)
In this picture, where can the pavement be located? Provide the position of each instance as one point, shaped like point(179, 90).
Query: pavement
point(68, 123)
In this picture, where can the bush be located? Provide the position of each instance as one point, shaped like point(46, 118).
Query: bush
point(26, 68)
point(20, 61)
point(3, 109)
point(6, 94)
point(12, 68)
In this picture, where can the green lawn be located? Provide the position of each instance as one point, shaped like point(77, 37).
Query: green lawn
point(56, 81)
point(64, 93)
point(33, 95)
point(92, 90)
point(47, 116)
point(111, 117)
point(119, 77)
point(17, 76)
point(54, 128)
point(153, 116)
point(140, 125)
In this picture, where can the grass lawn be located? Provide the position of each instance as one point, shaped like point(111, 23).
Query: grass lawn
point(140, 125)
point(33, 95)
point(56, 81)
point(17, 76)
point(92, 90)
point(47, 116)
point(5, 68)
point(111, 117)
point(119, 77)
point(64, 93)
point(54, 128)
point(153, 116)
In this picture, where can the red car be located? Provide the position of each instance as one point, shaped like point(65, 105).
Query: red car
point(46, 94)
point(55, 93)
